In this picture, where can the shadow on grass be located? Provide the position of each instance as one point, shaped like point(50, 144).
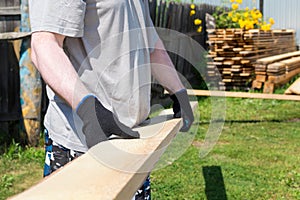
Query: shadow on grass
point(214, 183)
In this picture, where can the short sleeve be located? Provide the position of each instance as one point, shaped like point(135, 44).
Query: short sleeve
point(151, 31)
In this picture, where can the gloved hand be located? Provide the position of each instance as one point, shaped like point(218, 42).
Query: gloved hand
point(100, 123)
point(182, 108)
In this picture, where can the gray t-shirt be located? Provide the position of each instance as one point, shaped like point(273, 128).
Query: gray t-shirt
point(113, 61)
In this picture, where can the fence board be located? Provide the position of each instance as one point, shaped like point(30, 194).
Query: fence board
point(10, 10)
point(10, 17)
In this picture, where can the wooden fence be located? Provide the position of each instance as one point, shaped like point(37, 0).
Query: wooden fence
point(9, 76)
point(10, 15)
point(176, 16)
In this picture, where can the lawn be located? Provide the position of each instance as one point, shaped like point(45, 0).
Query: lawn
point(255, 157)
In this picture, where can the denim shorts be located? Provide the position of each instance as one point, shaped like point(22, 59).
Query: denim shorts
point(65, 17)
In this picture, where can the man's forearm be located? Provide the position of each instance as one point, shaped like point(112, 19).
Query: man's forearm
point(163, 69)
point(55, 67)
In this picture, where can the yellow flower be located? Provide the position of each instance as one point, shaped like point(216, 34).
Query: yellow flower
point(231, 1)
point(259, 15)
point(230, 14)
point(272, 21)
point(249, 24)
point(253, 15)
point(247, 8)
point(193, 6)
point(192, 12)
point(266, 27)
point(246, 14)
point(239, 1)
point(242, 23)
point(199, 30)
point(197, 21)
point(234, 19)
point(235, 6)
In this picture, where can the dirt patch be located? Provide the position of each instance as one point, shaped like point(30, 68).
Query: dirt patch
point(294, 120)
point(198, 144)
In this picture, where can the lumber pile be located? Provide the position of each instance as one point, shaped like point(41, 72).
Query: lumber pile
point(276, 70)
point(232, 53)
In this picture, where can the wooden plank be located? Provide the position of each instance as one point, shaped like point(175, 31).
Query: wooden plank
point(11, 10)
point(14, 35)
point(276, 66)
point(113, 169)
point(261, 78)
point(294, 88)
point(9, 23)
point(272, 59)
point(283, 78)
point(257, 84)
point(269, 87)
point(244, 95)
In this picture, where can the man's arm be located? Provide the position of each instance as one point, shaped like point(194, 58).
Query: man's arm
point(55, 67)
point(165, 73)
point(58, 72)
point(163, 69)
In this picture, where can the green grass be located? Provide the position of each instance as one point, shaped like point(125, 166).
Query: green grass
point(256, 157)
point(20, 168)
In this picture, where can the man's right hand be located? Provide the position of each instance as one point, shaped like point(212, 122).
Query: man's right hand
point(182, 108)
point(99, 123)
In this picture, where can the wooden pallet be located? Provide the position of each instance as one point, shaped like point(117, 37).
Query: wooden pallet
point(276, 70)
point(233, 52)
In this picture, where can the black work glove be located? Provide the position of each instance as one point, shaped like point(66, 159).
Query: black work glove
point(182, 108)
point(99, 123)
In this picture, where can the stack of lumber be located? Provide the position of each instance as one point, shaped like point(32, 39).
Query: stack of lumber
point(232, 53)
point(276, 70)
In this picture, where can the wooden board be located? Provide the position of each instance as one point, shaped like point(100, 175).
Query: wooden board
point(294, 88)
point(275, 58)
point(244, 95)
point(14, 35)
point(283, 78)
point(113, 169)
point(10, 10)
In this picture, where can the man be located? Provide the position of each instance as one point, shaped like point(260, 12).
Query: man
point(97, 57)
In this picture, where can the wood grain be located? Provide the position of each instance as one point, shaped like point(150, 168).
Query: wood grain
point(113, 169)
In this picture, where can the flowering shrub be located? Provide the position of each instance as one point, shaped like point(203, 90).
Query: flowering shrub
point(241, 18)
point(197, 22)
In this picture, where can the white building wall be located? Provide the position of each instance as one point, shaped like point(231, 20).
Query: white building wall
point(286, 14)
point(246, 3)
